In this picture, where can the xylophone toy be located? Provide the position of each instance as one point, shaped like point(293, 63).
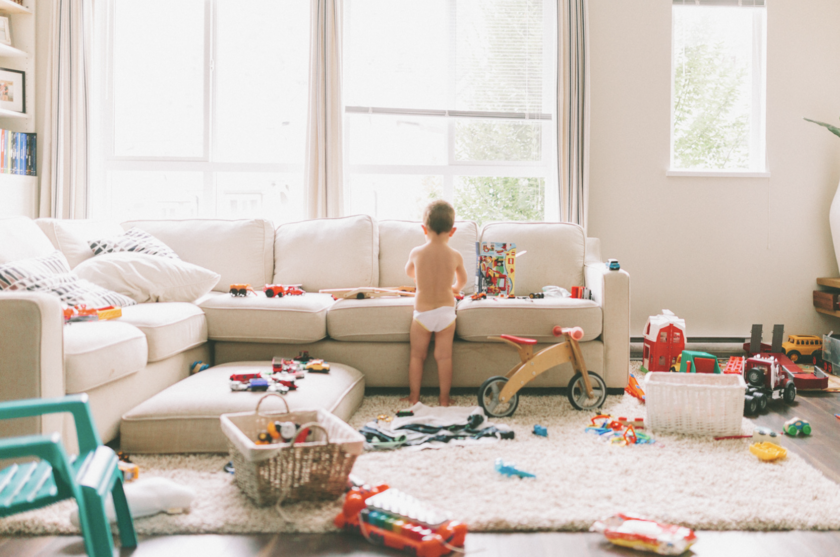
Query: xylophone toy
point(392, 518)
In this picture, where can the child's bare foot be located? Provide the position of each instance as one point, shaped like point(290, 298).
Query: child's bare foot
point(444, 400)
point(412, 400)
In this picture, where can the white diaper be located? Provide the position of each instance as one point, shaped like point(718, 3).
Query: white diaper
point(437, 319)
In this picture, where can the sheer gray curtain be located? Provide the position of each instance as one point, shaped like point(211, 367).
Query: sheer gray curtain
point(64, 135)
point(573, 110)
point(324, 167)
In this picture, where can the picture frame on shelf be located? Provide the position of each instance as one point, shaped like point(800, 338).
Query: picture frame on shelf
point(5, 30)
point(13, 90)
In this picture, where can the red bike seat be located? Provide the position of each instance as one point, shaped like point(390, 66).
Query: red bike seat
point(519, 340)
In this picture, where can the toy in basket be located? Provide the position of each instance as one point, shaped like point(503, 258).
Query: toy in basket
point(694, 403)
point(389, 517)
point(288, 472)
point(499, 397)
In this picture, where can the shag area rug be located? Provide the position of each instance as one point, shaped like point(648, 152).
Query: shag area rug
point(703, 484)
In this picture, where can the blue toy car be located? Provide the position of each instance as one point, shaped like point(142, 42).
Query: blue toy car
point(613, 264)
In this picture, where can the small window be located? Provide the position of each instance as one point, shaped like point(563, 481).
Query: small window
point(662, 360)
point(718, 85)
point(663, 336)
point(677, 336)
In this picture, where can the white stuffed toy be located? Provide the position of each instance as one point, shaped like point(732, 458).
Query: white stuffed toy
point(148, 496)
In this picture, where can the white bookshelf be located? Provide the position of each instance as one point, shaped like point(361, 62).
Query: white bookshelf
point(19, 194)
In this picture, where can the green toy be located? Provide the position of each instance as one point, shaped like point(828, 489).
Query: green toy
point(698, 362)
point(797, 426)
point(88, 479)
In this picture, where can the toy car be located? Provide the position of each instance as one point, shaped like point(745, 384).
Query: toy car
point(766, 380)
point(797, 426)
point(537, 295)
point(241, 289)
point(278, 290)
point(799, 346)
point(479, 296)
point(303, 357)
point(641, 533)
point(279, 365)
point(285, 380)
point(245, 377)
point(317, 366)
point(612, 264)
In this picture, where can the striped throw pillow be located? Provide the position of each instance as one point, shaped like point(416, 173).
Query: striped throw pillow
point(51, 273)
point(135, 240)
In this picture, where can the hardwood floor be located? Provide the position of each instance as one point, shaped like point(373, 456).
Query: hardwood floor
point(822, 450)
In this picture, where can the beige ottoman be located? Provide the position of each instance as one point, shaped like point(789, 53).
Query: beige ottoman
point(185, 417)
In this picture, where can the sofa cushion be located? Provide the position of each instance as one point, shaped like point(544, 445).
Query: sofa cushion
point(386, 319)
point(328, 253)
point(170, 328)
point(185, 417)
point(71, 236)
point(478, 319)
point(96, 353)
point(556, 253)
point(260, 319)
point(20, 238)
point(241, 251)
point(398, 237)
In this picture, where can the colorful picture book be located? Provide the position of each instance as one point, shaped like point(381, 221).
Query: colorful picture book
point(495, 268)
point(18, 153)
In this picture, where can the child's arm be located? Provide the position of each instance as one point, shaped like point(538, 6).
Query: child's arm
point(409, 267)
point(460, 275)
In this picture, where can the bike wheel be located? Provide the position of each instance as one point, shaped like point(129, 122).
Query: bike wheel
point(577, 392)
point(488, 398)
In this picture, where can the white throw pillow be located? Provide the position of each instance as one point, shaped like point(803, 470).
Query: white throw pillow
point(148, 278)
point(134, 240)
point(51, 273)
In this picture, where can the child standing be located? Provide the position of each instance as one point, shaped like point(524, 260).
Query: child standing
point(433, 266)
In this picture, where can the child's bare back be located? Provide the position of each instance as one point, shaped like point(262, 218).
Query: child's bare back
point(434, 271)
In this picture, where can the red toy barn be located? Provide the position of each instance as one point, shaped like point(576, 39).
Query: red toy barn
point(664, 341)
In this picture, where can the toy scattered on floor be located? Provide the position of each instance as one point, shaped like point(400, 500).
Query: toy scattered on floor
point(803, 380)
point(197, 366)
point(129, 470)
point(241, 290)
point(499, 397)
point(149, 496)
point(612, 264)
point(404, 413)
point(735, 365)
point(646, 535)
point(802, 346)
point(634, 389)
point(829, 358)
point(365, 292)
point(384, 418)
point(763, 434)
point(664, 340)
point(765, 381)
point(692, 361)
point(510, 469)
point(394, 519)
point(768, 451)
point(621, 431)
point(542, 431)
point(278, 290)
point(797, 426)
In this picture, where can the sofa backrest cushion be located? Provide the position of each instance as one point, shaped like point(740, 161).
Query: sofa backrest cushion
point(398, 237)
point(328, 253)
point(556, 253)
point(71, 236)
point(20, 238)
point(241, 251)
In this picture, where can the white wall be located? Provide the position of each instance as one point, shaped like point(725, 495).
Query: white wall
point(722, 253)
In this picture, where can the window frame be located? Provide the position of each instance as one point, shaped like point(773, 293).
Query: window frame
point(759, 166)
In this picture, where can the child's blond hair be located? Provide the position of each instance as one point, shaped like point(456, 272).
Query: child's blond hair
point(439, 216)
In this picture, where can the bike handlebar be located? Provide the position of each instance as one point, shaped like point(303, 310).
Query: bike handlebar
point(575, 332)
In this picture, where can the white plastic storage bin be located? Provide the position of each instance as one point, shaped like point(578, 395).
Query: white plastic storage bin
point(695, 403)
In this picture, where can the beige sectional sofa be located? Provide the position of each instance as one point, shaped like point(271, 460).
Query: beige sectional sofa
point(122, 363)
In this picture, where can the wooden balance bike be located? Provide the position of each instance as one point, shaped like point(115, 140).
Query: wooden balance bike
point(499, 396)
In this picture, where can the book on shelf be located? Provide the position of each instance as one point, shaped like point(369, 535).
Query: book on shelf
point(18, 153)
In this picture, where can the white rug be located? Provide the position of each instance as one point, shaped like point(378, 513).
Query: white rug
point(704, 484)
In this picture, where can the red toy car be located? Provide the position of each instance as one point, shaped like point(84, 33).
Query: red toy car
point(245, 377)
point(278, 290)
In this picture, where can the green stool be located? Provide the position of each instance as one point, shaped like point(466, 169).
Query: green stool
point(88, 479)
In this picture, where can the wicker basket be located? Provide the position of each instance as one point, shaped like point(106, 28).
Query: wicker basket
point(284, 472)
point(695, 403)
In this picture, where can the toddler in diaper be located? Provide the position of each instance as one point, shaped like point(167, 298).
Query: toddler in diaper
point(434, 266)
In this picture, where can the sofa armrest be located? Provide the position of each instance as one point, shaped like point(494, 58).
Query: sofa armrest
point(611, 290)
point(32, 362)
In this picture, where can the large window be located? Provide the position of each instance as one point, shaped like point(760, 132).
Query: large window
point(201, 109)
point(718, 87)
point(450, 99)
